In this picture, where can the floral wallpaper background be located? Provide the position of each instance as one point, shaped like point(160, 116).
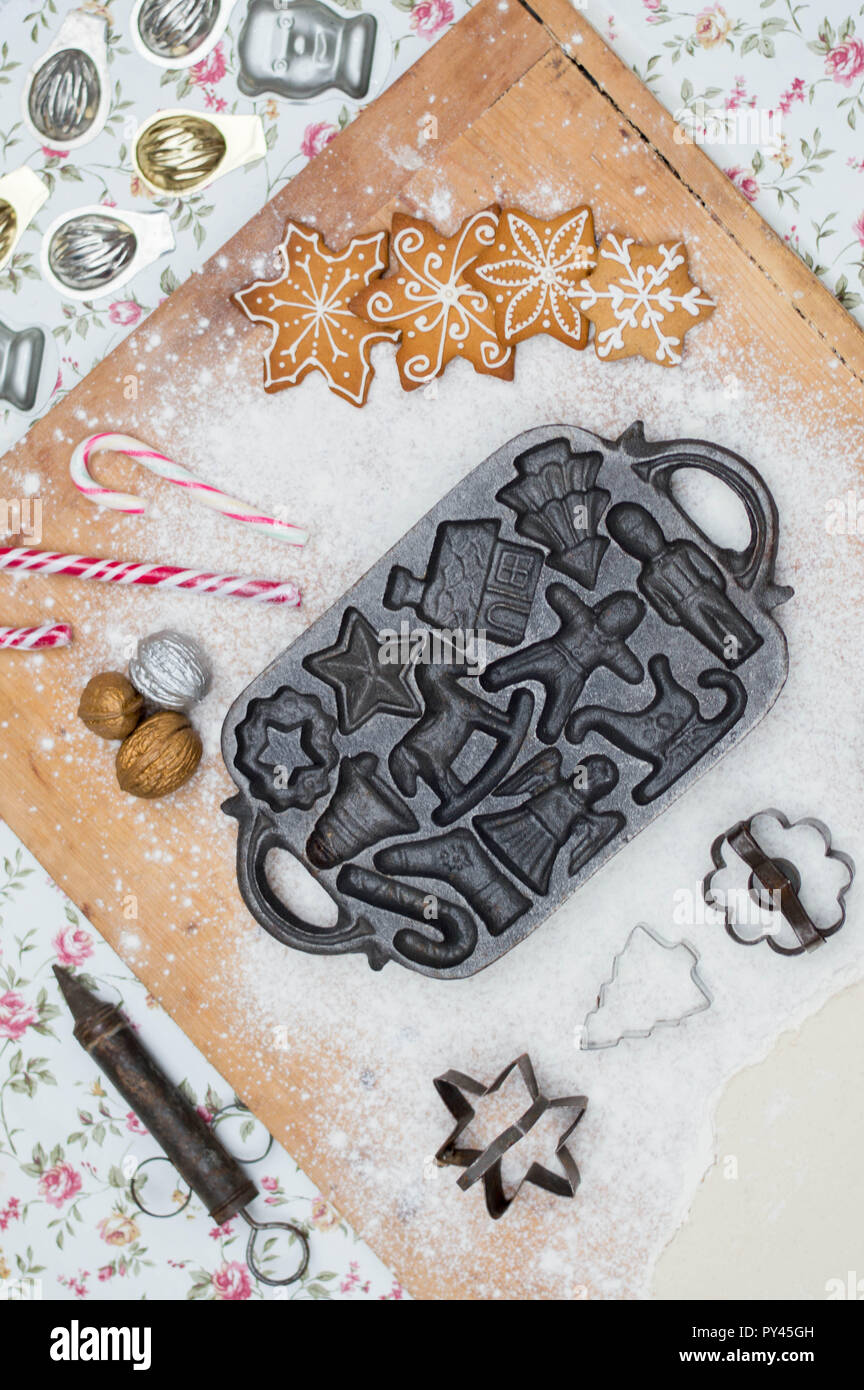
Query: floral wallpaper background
point(69, 1145)
point(794, 73)
point(775, 92)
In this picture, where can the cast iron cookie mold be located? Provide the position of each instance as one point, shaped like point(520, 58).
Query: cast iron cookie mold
point(534, 672)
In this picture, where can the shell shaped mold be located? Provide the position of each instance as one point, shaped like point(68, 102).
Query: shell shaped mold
point(92, 251)
point(22, 194)
point(178, 152)
point(178, 33)
point(67, 93)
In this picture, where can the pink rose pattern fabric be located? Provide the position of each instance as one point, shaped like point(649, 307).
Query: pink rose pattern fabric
point(69, 1144)
point(779, 62)
point(734, 56)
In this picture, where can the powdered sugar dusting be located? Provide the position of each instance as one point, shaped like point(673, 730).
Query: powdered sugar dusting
point(358, 480)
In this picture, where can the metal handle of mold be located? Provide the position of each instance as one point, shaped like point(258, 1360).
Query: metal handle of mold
point(753, 567)
point(257, 835)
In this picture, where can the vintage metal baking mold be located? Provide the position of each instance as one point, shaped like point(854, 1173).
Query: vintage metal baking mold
point(178, 33)
point(28, 366)
point(178, 152)
point(302, 49)
point(454, 1086)
point(92, 251)
point(22, 194)
point(515, 725)
point(67, 92)
point(775, 894)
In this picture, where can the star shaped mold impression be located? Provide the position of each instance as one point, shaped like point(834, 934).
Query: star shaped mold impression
point(314, 330)
point(364, 682)
point(532, 275)
point(428, 298)
point(641, 300)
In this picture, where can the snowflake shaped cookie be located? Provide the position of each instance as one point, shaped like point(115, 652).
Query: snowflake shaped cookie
point(533, 272)
point(642, 301)
point(427, 297)
point(314, 330)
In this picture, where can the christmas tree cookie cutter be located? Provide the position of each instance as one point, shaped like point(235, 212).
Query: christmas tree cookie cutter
point(627, 1034)
point(597, 702)
point(773, 902)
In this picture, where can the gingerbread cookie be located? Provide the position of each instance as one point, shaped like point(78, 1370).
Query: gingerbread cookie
point(426, 296)
point(641, 300)
point(314, 330)
point(532, 274)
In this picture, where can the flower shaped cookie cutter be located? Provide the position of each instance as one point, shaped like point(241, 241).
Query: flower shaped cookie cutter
point(775, 884)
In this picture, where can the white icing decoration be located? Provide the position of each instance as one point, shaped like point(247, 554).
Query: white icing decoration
point(642, 298)
point(323, 309)
point(541, 271)
point(449, 308)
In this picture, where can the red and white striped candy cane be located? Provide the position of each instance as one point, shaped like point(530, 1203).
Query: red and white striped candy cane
point(79, 468)
point(27, 639)
point(25, 560)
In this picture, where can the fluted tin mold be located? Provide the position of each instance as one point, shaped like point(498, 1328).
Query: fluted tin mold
point(67, 92)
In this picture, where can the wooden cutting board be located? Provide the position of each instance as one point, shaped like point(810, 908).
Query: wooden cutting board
point(520, 94)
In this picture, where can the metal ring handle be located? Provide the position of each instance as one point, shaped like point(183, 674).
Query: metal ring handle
point(238, 1108)
point(256, 1227)
point(753, 567)
point(157, 1215)
point(258, 834)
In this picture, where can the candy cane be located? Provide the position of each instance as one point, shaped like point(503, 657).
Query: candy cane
point(27, 639)
point(173, 473)
point(28, 561)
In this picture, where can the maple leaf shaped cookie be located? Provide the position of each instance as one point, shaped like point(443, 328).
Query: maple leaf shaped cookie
point(533, 272)
point(426, 296)
point(314, 330)
point(641, 300)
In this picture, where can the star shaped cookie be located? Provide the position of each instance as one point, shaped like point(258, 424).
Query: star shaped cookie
point(427, 297)
point(642, 301)
point(363, 683)
point(532, 275)
point(314, 330)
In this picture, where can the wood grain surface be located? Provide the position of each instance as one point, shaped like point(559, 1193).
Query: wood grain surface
point(548, 101)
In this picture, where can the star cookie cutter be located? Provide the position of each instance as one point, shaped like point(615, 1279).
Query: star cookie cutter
point(628, 1033)
point(486, 1163)
point(775, 886)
